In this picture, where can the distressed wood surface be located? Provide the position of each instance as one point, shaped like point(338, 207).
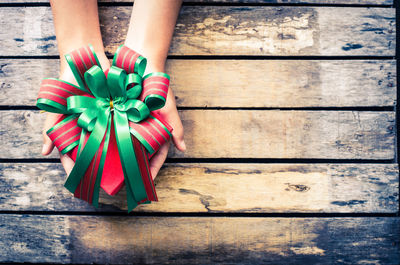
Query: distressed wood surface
point(239, 83)
point(222, 188)
point(330, 2)
point(193, 240)
point(225, 30)
point(244, 134)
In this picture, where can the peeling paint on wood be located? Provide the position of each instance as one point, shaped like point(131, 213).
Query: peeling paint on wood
point(226, 30)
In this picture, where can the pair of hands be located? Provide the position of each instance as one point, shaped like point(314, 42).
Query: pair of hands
point(169, 112)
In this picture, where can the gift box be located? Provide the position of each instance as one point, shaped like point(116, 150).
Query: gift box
point(110, 126)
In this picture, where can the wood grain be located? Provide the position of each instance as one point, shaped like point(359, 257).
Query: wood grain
point(194, 240)
point(245, 134)
point(330, 2)
point(239, 83)
point(180, 229)
point(219, 188)
point(225, 30)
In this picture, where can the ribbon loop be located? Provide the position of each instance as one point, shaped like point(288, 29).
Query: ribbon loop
point(54, 93)
point(133, 79)
point(116, 82)
point(78, 104)
point(129, 60)
point(79, 60)
point(97, 82)
point(155, 90)
point(134, 92)
point(87, 119)
point(136, 110)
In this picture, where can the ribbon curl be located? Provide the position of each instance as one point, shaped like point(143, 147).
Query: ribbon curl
point(100, 117)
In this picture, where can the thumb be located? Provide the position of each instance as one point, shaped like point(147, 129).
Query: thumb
point(48, 146)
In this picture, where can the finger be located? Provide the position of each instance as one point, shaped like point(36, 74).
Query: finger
point(67, 162)
point(48, 146)
point(158, 159)
point(171, 116)
point(177, 132)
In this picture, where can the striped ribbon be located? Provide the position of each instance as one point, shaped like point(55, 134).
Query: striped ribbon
point(108, 127)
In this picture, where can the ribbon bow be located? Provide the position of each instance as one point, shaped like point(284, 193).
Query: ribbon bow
point(100, 115)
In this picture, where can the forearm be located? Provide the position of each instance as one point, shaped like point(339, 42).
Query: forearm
point(151, 28)
point(76, 24)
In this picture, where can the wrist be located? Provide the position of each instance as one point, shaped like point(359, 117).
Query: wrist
point(155, 59)
point(153, 66)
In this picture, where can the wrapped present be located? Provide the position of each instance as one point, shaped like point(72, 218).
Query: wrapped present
point(109, 125)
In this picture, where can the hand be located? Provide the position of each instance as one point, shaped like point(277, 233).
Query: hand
point(170, 114)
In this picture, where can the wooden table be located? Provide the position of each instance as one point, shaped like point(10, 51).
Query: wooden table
point(289, 110)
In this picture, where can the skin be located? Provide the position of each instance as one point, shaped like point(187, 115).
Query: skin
point(150, 32)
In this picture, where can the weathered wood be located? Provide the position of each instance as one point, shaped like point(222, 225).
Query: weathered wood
point(240, 83)
point(198, 240)
point(229, 187)
point(225, 30)
point(245, 134)
point(239, 188)
point(330, 2)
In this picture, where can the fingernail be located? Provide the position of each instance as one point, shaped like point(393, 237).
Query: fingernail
point(184, 145)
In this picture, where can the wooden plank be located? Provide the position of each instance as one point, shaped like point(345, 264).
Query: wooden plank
point(245, 134)
point(259, 134)
point(225, 30)
point(330, 2)
point(198, 240)
point(240, 83)
point(222, 188)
